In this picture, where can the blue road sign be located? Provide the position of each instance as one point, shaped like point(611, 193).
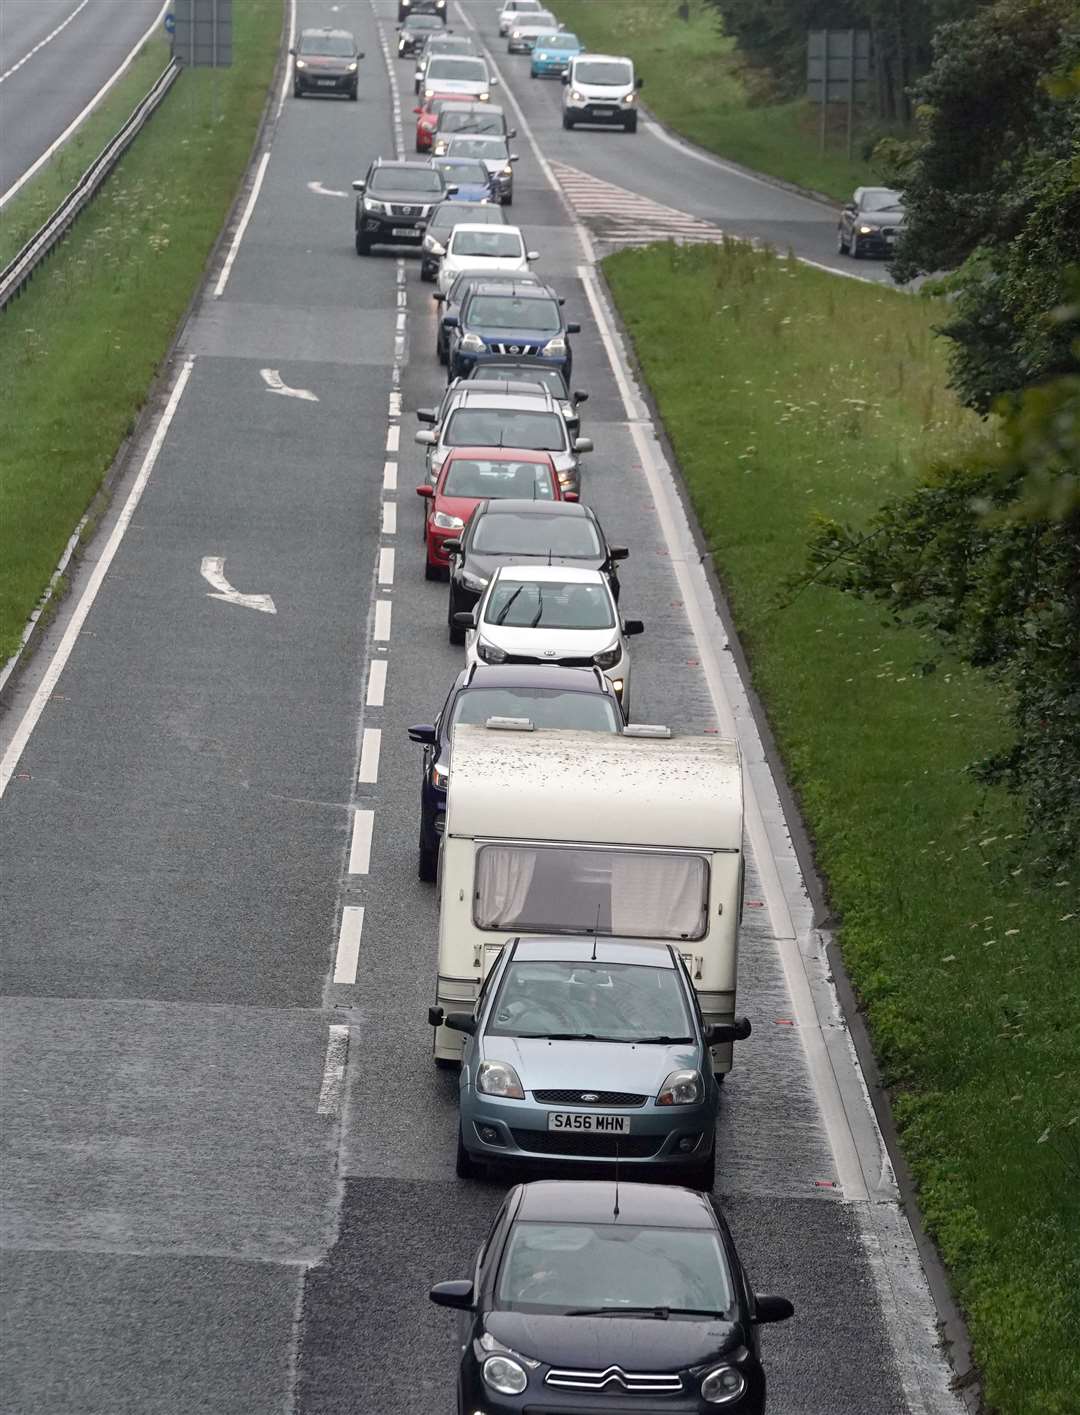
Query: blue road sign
point(170, 23)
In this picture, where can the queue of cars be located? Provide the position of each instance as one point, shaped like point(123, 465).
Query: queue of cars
point(588, 939)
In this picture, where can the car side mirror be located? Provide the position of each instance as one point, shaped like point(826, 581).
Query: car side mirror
point(424, 734)
point(619, 552)
point(511, 133)
point(493, 80)
point(427, 415)
point(766, 1308)
point(532, 255)
point(514, 157)
point(438, 297)
point(452, 191)
point(456, 1021)
point(425, 491)
point(465, 618)
point(452, 546)
point(360, 56)
point(633, 626)
point(639, 83)
point(583, 444)
point(359, 186)
point(293, 50)
point(458, 1294)
point(579, 397)
point(418, 110)
point(425, 437)
point(849, 206)
point(573, 329)
point(451, 321)
point(737, 1031)
point(566, 80)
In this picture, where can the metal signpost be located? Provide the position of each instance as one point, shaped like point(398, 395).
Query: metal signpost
point(838, 71)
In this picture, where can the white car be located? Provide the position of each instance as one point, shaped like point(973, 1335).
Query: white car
point(522, 35)
point(458, 73)
point(484, 249)
point(601, 88)
point(513, 9)
point(551, 614)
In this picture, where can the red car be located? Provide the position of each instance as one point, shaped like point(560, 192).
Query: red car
point(427, 118)
point(474, 474)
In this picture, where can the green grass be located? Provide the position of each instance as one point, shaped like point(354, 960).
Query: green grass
point(79, 350)
point(43, 193)
point(803, 394)
point(693, 82)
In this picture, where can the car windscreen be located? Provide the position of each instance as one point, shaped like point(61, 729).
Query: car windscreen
point(512, 427)
point(509, 534)
point(454, 69)
point(453, 213)
point(423, 22)
point(449, 44)
point(471, 174)
point(603, 71)
point(553, 604)
point(575, 889)
point(490, 149)
point(544, 707)
point(563, 40)
point(508, 312)
point(336, 46)
point(524, 481)
point(472, 123)
point(548, 375)
point(493, 245)
point(881, 199)
point(406, 179)
point(618, 1002)
point(572, 1267)
point(537, 17)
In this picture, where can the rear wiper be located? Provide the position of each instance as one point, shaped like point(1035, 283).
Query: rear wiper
point(660, 1313)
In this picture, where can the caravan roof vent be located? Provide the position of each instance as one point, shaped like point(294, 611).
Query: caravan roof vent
point(646, 729)
point(511, 724)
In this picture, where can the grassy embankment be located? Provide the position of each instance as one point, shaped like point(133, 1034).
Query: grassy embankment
point(693, 83)
point(801, 394)
point(79, 350)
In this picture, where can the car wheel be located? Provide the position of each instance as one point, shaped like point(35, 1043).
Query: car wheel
point(297, 91)
point(465, 1167)
point(427, 866)
point(363, 245)
point(703, 1176)
point(631, 123)
point(432, 572)
point(841, 245)
point(567, 121)
point(856, 249)
point(454, 631)
point(354, 94)
point(440, 350)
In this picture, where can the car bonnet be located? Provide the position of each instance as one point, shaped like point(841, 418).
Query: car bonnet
point(591, 1066)
point(633, 1343)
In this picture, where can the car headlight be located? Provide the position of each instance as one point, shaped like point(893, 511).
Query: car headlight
point(681, 1088)
point(440, 775)
point(517, 34)
point(498, 1078)
point(353, 67)
point(868, 230)
point(430, 93)
point(490, 653)
point(447, 523)
point(630, 97)
point(541, 55)
point(377, 208)
point(576, 97)
point(300, 64)
point(483, 97)
point(723, 1385)
point(432, 245)
point(471, 344)
point(554, 346)
point(440, 146)
point(504, 1374)
point(473, 582)
point(608, 658)
point(506, 171)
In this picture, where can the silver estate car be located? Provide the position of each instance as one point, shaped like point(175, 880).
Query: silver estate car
point(588, 1049)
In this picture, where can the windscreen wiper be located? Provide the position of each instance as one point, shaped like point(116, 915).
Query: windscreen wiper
point(539, 607)
point(505, 610)
point(667, 1041)
point(567, 1037)
point(660, 1313)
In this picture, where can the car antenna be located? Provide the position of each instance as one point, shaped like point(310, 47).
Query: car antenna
point(615, 1211)
point(549, 554)
point(596, 930)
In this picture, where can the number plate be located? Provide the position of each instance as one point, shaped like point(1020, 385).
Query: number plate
point(326, 83)
point(593, 1124)
point(404, 231)
point(604, 112)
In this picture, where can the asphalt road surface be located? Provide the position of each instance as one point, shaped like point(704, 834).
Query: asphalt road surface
point(54, 57)
point(202, 1211)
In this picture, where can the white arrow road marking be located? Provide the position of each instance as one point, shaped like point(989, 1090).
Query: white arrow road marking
point(213, 572)
point(321, 191)
point(274, 384)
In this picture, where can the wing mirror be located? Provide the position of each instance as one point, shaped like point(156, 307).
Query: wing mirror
point(514, 157)
point(464, 619)
point(570, 496)
point(424, 734)
point(451, 321)
point(579, 397)
point(452, 546)
point(425, 438)
point(456, 1021)
point(618, 552)
point(427, 415)
point(359, 186)
point(737, 1031)
point(426, 490)
point(633, 626)
point(438, 297)
point(293, 50)
point(452, 190)
point(511, 133)
point(457, 1294)
point(493, 79)
point(532, 255)
point(573, 329)
point(583, 444)
point(767, 1308)
point(418, 110)
point(565, 79)
point(639, 83)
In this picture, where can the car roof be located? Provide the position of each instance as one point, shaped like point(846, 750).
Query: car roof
point(529, 291)
point(325, 32)
point(540, 400)
point(509, 505)
point(644, 953)
point(498, 454)
point(468, 226)
point(616, 58)
point(470, 107)
point(535, 675)
point(500, 386)
point(593, 1201)
point(551, 574)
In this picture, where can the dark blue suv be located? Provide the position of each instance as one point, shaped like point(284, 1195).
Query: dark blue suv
point(513, 321)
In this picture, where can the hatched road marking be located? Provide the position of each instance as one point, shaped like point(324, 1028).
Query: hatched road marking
point(624, 218)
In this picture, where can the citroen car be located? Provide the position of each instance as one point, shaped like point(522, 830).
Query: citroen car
point(414, 30)
point(579, 698)
point(552, 53)
point(505, 320)
point(326, 61)
point(601, 88)
point(395, 201)
point(597, 1296)
point(871, 222)
point(524, 32)
point(443, 220)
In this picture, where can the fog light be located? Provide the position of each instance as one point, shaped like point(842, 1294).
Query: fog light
point(489, 1134)
point(688, 1143)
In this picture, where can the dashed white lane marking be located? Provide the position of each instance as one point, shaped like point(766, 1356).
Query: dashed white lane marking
point(333, 1077)
point(274, 384)
point(382, 620)
point(42, 42)
point(403, 298)
point(376, 683)
point(368, 771)
point(401, 321)
point(212, 570)
point(64, 649)
point(386, 565)
point(389, 518)
point(348, 948)
point(395, 405)
point(226, 269)
point(624, 218)
point(360, 848)
point(393, 438)
point(389, 476)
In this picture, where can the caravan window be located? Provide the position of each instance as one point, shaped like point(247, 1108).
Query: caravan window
point(577, 890)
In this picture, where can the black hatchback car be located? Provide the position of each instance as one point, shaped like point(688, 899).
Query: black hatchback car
point(592, 1296)
point(414, 30)
point(395, 201)
point(325, 61)
point(421, 7)
point(510, 532)
point(549, 695)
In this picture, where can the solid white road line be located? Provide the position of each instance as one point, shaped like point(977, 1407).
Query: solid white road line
point(42, 42)
point(389, 518)
point(386, 565)
point(376, 683)
point(64, 649)
point(348, 948)
point(368, 771)
point(226, 269)
point(333, 1077)
point(389, 476)
point(360, 848)
point(393, 438)
point(382, 620)
point(286, 68)
point(81, 117)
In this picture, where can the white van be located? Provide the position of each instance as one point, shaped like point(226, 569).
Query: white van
point(636, 835)
point(601, 88)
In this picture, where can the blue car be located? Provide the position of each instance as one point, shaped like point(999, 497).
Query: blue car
point(552, 54)
point(469, 175)
point(513, 321)
point(549, 696)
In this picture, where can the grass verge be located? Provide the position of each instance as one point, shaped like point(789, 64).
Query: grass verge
point(693, 83)
point(799, 394)
point(79, 350)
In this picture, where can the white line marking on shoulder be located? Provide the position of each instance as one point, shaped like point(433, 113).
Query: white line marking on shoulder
point(389, 476)
point(348, 949)
point(360, 848)
point(368, 771)
point(333, 1077)
point(393, 438)
point(226, 269)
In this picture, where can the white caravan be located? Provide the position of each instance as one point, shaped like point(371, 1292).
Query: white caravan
point(635, 836)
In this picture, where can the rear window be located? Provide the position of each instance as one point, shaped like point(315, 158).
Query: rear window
point(604, 71)
point(510, 427)
point(510, 534)
point(506, 312)
point(521, 481)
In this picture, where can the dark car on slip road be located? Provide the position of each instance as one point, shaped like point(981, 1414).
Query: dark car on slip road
point(548, 696)
point(326, 61)
point(598, 1296)
point(871, 222)
point(509, 532)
